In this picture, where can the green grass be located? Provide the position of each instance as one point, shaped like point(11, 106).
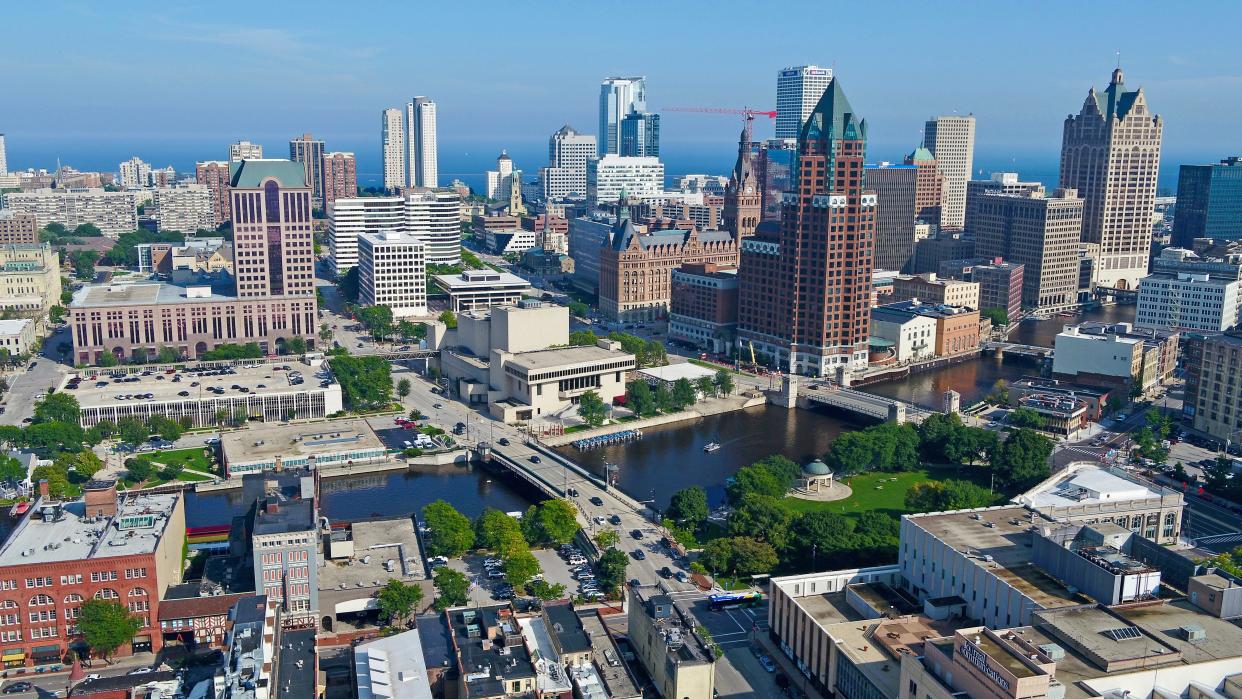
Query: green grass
point(196, 459)
point(880, 492)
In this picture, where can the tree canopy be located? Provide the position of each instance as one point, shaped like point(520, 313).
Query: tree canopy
point(688, 506)
point(451, 532)
point(591, 409)
point(452, 588)
point(397, 600)
point(106, 625)
point(1021, 461)
point(57, 407)
point(366, 382)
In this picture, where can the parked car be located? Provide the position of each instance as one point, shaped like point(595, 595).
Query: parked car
point(636, 533)
point(614, 519)
point(18, 687)
point(767, 663)
point(639, 555)
point(596, 501)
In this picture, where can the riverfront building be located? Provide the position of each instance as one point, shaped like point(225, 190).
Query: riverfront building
point(282, 528)
point(1209, 202)
point(928, 288)
point(809, 313)
point(913, 335)
point(306, 446)
point(1040, 233)
point(1115, 355)
point(1189, 301)
point(703, 306)
point(957, 327)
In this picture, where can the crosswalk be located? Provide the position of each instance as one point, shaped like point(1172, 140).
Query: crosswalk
point(1218, 539)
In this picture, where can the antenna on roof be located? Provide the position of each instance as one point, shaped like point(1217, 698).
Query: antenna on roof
point(1119, 59)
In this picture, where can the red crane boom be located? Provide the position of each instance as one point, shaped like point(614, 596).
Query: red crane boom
point(722, 110)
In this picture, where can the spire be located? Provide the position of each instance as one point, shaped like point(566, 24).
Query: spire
point(623, 207)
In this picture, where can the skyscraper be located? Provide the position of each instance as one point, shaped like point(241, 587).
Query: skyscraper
point(392, 139)
point(4, 158)
point(1111, 154)
point(568, 153)
point(928, 186)
point(798, 89)
point(1209, 202)
point(805, 291)
point(743, 207)
point(500, 180)
point(272, 247)
point(340, 177)
point(618, 97)
point(215, 174)
point(951, 140)
point(135, 174)
point(1042, 234)
point(245, 150)
point(640, 134)
point(999, 182)
point(309, 152)
point(895, 188)
point(422, 168)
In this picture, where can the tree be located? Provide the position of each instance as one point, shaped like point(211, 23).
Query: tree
point(683, 393)
point(935, 496)
point(819, 539)
point(403, 388)
point(1114, 404)
point(582, 338)
point(325, 333)
point(406, 329)
point(520, 567)
point(579, 309)
point(347, 285)
point(1218, 473)
point(167, 428)
point(449, 320)
point(1000, 393)
point(366, 382)
point(1148, 446)
point(451, 532)
point(106, 626)
point(57, 407)
point(228, 350)
point(53, 436)
point(1160, 422)
point(107, 359)
point(397, 600)
point(452, 587)
point(724, 382)
point(998, 316)
point(611, 566)
point(83, 464)
point(607, 538)
point(639, 398)
point(83, 263)
point(167, 355)
point(139, 468)
point(554, 522)
point(1021, 461)
point(378, 320)
point(591, 409)
point(762, 517)
point(851, 453)
point(295, 345)
point(688, 507)
point(664, 398)
point(1027, 417)
point(497, 531)
point(87, 230)
point(705, 386)
point(545, 591)
point(11, 470)
point(739, 555)
point(755, 479)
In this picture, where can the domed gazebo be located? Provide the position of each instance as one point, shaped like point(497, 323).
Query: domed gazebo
point(814, 475)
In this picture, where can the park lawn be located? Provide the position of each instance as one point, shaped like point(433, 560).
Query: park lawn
point(190, 458)
point(157, 480)
point(886, 492)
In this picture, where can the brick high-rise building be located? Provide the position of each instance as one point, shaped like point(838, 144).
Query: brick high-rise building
point(18, 228)
point(1111, 154)
point(215, 174)
point(1042, 234)
point(703, 311)
point(805, 290)
point(340, 177)
point(928, 186)
point(951, 140)
point(743, 207)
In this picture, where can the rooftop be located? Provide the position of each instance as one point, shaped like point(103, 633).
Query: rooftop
point(390, 238)
point(611, 670)
point(54, 532)
point(567, 626)
point(490, 649)
point(191, 607)
point(673, 372)
point(827, 608)
point(299, 441)
point(1088, 484)
point(466, 281)
point(14, 327)
point(380, 541)
point(278, 515)
point(563, 356)
point(144, 293)
point(675, 622)
point(930, 310)
point(392, 668)
point(296, 675)
point(261, 377)
point(250, 174)
point(550, 675)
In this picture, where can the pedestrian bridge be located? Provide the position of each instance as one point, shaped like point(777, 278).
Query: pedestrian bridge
point(1000, 349)
point(868, 405)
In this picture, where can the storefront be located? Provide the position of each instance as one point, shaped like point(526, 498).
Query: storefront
point(142, 644)
point(47, 655)
point(13, 657)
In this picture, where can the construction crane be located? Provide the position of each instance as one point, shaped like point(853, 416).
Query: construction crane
point(722, 110)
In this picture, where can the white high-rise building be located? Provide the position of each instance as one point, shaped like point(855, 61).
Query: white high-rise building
point(350, 218)
point(500, 180)
point(568, 155)
point(617, 98)
point(951, 140)
point(135, 174)
point(392, 271)
point(608, 176)
point(4, 158)
point(184, 207)
point(422, 168)
point(798, 89)
point(392, 139)
point(434, 216)
point(245, 150)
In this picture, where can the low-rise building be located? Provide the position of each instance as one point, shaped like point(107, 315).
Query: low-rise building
point(1189, 301)
point(492, 659)
point(1094, 397)
point(282, 529)
point(511, 241)
point(29, 278)
point(703, 306)
point(391, 668)
point(1061, 414)
point(1115, 355)
point(478, 289)
point(666, 639)
point(197, 621)
point(392, 271)
point(928, 288)
point(312, 446)
point(957, 328)
point(17, 338)
point(913, 335)
point(670, 374)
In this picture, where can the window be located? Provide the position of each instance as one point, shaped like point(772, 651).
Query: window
point(106, 593)
point(73, 598)
point(41, 601)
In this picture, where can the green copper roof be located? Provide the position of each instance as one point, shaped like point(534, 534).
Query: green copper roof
point(816, 468)
point(1116, 103)
point(921, 154)
point(249, 174)
point(833, 118)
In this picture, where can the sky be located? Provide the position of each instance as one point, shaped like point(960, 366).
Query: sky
point(175, 82)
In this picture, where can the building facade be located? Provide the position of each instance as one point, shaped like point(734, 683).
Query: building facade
point(214, 175)
point(1110, 153)
point(928, 186)
point(1040, 233)
point(928, 288)
point(896, 188)
point(1000, 286)
point(478, 289)
point(113, 213)
point(309, 152)
point(609, 176)
point(1188, 301)
point(135, 174)
point(743, 197)
point(1216, 404)
point(618, 97)
point(640, 135)
point(392, 143)
point(29, 278)
point(666, 638)
point(798, 90)
point(999, 183)
point(804, 293)
point(283, 540)
point(1209, 202)
point(17, 338)
point(434, 216)
point(934, 250)
point(350, 218)
point(423, 164)
point(951, 140)
point(703, 306)
point(186, 208)
point(392, 271)
point(245, 150)
point(18, 229)
point(566, 173)
point(340, 177)
point(913, 335)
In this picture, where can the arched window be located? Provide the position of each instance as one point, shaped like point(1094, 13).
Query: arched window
point(107, 593)
point(10, 604)
point(137, 592)
point(73, 597)
point(41, 601)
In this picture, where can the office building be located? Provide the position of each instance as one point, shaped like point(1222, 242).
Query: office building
point(913, 336)
point(17, 338)
point(610, 175)
point(798, 90)
point(587, 239)
point(1110, 153)
point(18, 229)
point(1087, 493)
point(957, 327)
point(434, 216)
point(392, 143)
point(668, 641)
point(929, 288)
point(422, 164)
point(113, 213)
point(309, 152)
point(1188, 301)
point(566, 173)
point(214, 175)
point(135, 174)
point(340, 177)
point(349, 218)
point(928, 186)
point(691, 212)
point(934, 250)
point(715, 185)
point(640, 135)
point(392, 271)
point(1000, 286)
point(635, 269)
point(4, 158)
point(271, 300)
point(809, 311)
point(490, 657)
point(283, 528)
point(186, 208)
point(618, 97)
point(513, 241)
point(479, 289)
point(500, 180)
point(951, 140)
point(124, 548)
point(1215, 407)
point(29, 279)
point(1000, 183)
point(245, 150)
point(703, 306)
point(895, 188)
point(775, 163)
point(1040, 233)
point(1209, 202)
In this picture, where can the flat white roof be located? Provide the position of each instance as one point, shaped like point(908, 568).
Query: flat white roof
point(392, 668)
point(456, 282)
point(673, 372)
point(14, 327)
point(1087, 486)
point(54, 532)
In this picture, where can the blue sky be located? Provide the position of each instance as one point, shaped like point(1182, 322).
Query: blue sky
point(177, 81)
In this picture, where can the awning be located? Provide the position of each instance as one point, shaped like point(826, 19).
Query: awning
point(141, 639)
point(45, 650)
point(13, 654)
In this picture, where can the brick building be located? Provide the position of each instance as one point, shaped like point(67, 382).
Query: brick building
point(957, 328)
point(215, 175)
point(743, 201)
point(18, 229)
point(1000, 286)
point(928, 186)
point(340, 177)
point(703, 310)
point(928, 288)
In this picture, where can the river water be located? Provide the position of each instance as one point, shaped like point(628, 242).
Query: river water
point(667, 458)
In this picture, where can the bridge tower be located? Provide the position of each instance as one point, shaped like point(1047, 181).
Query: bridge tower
point(787, 396)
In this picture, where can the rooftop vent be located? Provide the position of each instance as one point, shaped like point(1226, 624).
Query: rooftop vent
point(1055, 652)
point(1193, 632)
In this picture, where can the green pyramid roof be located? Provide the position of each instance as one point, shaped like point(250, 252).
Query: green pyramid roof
point(833, 117)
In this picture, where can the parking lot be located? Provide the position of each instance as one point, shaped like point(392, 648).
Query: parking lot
point(486, 580)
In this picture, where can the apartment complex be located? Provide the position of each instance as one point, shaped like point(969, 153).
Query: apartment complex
point(566, 173)
point(309, 152)
point(29, 278)
point(798, 90)
point(113, 213)
point(392, 143)
point(1040, 233)
point(1110, 154)
point(1215, 404)
point(609, 176)
point(1209, 202)
point(804, 289)
point(245, 150)
point(392, 271)
point(668, 642)
point(478, 289)
point(340, 177)
point(422, 167)
point(186, 208)
point(928, 288)
point(350, 218)
point(896, 194)
point(703, 306)
point(951, 140)
point(18, 229)
point(214, 175)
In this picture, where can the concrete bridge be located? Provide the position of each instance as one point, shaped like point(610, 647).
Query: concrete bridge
point(1000, 349)
point(791, 394)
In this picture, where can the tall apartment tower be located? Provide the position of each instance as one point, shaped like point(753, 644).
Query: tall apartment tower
point(4, 158)
point(309, 152)
point(568, 153)
point(340, 177)
point(928, 186)
point(743, 205)
point(951, 140)
point(245, 150)
point(135, 174)
point(618, 97)
point(798, 89)
point(215, 175)
point(422, 168)
point(272, 247)
point(1209, 202)
point(392, 140)
point(1042, 234)
point(1110, 153)
point(805, 292)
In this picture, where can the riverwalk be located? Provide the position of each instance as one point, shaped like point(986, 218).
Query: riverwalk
point(710, 406)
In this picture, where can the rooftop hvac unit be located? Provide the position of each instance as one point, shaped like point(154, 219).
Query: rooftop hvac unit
point(1055, 652)
point(1194, 632)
